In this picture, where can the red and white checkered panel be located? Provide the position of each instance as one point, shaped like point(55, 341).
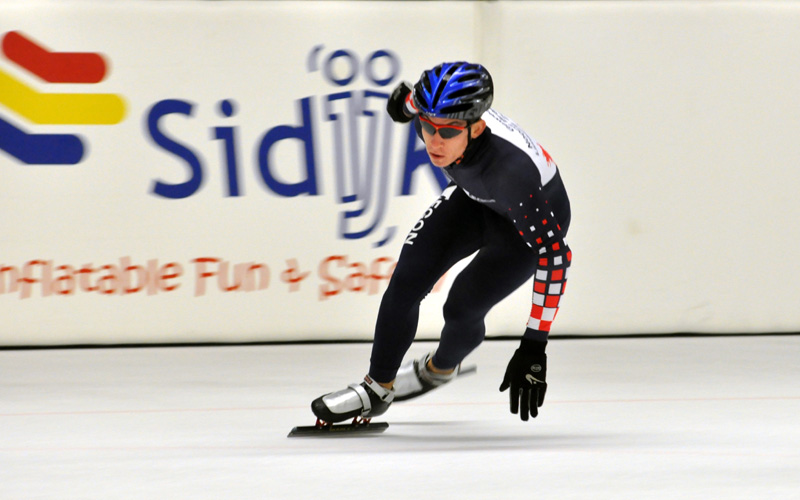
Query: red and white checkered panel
point(544, 234)
point(548, 287)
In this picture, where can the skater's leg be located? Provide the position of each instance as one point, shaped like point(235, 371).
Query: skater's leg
point(500, 267)
point(449, 231)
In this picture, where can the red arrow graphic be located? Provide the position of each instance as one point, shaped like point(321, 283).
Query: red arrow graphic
point(54, 67)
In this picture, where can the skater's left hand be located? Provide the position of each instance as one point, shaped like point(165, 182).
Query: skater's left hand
point(396, 105)
point(525, 376)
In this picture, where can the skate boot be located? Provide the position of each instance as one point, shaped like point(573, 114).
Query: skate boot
point(414, 379)
point(365, 400)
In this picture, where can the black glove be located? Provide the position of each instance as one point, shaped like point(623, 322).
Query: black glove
point(396, 106)
point(525, 376)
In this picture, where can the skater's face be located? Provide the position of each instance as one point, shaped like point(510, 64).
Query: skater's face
point(446, 139)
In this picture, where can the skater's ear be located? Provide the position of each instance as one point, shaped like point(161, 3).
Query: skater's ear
point(477, 128)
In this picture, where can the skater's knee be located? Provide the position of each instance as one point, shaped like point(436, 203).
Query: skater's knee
point(406, 288)
point(457, 310)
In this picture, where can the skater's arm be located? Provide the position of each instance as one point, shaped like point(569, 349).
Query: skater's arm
point(538, 225)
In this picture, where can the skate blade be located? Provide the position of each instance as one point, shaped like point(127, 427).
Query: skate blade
point(338, 430)
point(467, 370)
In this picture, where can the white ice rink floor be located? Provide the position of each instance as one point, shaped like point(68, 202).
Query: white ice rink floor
point(671, 418)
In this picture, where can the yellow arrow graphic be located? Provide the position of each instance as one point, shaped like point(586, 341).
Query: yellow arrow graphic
point(59, 109)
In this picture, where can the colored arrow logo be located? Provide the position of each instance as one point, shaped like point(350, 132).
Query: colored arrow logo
point(52, 108)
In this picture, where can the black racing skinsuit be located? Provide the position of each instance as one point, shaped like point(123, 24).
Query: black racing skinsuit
point(498, 206)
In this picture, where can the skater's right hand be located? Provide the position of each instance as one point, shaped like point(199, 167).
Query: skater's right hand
point(396, 105)
point(525, 375)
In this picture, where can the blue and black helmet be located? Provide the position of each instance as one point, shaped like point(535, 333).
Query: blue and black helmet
point(457, 90)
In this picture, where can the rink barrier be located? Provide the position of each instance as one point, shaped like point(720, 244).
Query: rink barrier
point(224, 172)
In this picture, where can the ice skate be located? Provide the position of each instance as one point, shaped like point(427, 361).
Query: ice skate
point(365, 400)
point(415, 379)
point(359, 402)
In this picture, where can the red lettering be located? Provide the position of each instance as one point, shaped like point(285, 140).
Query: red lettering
point(28, 280)
point(84, 275)
point(107, 285)
point(65, 284)
point(361, 277)
point(292, 275)
point(169, 271)
point(201, 274)
point(332, 286)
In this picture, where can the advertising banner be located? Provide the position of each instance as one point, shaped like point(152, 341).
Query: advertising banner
point(189, 171)
point(179, 171)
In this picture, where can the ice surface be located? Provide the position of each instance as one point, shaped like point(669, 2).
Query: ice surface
point(671, 418)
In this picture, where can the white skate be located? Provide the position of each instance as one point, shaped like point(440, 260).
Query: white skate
point(415, 379)
point(365, 400)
